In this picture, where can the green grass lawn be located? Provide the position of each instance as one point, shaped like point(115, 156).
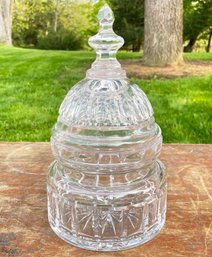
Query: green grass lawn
point(33, 84)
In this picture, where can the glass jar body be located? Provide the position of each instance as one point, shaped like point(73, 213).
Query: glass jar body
point(107, 188)
point(107, 219)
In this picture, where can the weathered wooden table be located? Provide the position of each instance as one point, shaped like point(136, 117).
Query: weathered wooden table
point(24, 229)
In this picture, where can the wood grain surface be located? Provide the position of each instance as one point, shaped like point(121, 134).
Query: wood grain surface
point(24, 229)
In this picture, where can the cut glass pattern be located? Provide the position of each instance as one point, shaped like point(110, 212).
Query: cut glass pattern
point(106, 188)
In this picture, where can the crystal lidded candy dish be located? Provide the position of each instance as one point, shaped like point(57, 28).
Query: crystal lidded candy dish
point(106, 188)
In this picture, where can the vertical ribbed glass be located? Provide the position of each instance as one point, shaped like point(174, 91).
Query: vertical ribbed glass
point(106, 188)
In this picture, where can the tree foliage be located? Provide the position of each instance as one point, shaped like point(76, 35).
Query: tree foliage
point(129, 22)
point(52, 24)
point(67, 24)
point(30, 19)
point(197, 20)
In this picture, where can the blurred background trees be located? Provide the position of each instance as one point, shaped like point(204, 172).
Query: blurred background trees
point(67, 24)
point(197, 23)
point(52, 24)
point(129, 22)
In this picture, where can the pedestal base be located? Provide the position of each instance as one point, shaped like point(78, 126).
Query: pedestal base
point(107, 245)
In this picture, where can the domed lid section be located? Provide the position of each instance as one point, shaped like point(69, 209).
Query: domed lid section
point(105, 103)
point(105, 99)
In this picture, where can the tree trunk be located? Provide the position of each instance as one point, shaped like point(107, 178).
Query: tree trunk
point(163, 32)
point(208, 47)
point(5, 22)
point(136, 47)
point(190, 46)
point(56, 15)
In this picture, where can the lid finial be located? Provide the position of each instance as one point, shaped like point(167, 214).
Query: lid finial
point(106, 44)
point(105, 16)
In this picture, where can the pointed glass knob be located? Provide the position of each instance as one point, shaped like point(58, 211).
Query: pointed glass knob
point(105, 16)
point(106, 44)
